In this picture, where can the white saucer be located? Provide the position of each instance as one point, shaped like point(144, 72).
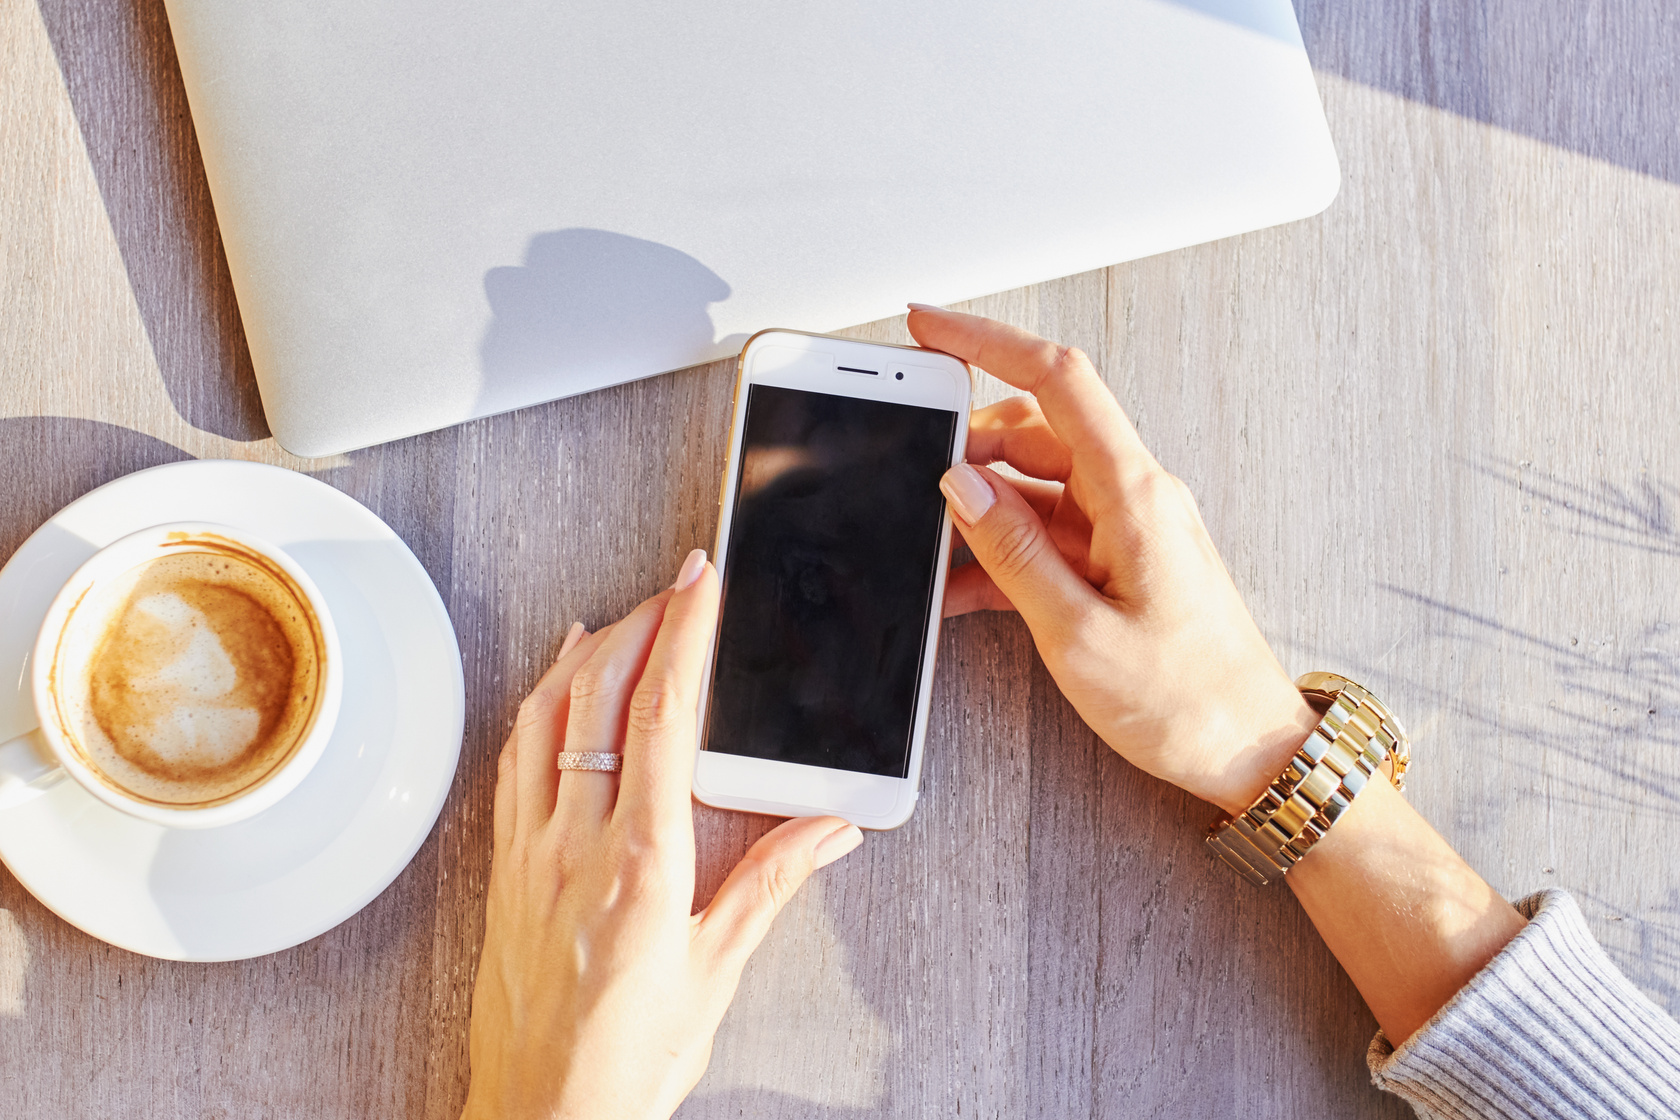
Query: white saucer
point(330, 846)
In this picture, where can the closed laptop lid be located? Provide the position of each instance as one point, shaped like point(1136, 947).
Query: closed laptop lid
point(435, 211)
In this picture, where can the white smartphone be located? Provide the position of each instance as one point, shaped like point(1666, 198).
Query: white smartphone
point(832, 545)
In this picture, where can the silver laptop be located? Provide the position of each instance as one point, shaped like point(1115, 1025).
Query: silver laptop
point(437, 211)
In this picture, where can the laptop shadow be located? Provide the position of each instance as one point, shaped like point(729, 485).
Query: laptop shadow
point(124, 87)
point(1599, 79)
point(588, 308)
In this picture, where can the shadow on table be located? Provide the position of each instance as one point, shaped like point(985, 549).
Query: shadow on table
point(1601, 697)
point(1600, 78)
point(124, 84)
point(1643, 515)
point(1598, 706)
point(48, 462)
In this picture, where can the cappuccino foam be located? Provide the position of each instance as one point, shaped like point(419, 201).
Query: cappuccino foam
point(204, 681)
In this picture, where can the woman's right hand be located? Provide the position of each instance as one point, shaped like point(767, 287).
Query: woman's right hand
point(1105, 556)
point(1107, 560)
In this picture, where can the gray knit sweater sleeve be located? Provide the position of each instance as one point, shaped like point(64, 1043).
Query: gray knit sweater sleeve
point(1550, 1028)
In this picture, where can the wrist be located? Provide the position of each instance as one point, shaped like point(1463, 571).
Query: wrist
point(1356, 743)
point(1274, 725)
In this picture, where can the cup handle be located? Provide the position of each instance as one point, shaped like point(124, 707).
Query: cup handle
point(27, 769)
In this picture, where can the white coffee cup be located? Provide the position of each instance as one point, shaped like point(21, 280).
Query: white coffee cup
point(67, 642)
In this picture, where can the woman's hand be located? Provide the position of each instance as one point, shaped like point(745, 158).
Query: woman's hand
point(599, 990)
point(1106, 558)
point(1109, 563)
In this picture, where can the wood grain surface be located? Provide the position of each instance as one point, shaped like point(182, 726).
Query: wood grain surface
point(1433, 432)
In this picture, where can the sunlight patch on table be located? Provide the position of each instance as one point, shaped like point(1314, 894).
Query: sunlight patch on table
point(798, 1026)
point(14, 965)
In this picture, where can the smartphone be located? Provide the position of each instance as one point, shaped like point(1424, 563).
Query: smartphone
point(832, 545)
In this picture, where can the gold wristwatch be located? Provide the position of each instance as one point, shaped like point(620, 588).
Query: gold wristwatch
point(1355, 741)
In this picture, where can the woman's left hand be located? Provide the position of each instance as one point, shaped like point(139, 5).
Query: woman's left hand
point(599, 990)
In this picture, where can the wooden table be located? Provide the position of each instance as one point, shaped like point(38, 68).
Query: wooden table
point(1434, 432)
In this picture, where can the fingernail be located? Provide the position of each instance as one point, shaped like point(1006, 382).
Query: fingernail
point(923, 307)
point(970, 494)
point(691, 569)
point(573, 637)
point(835, 845)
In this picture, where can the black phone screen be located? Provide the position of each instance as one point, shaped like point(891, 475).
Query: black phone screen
point(828, 584)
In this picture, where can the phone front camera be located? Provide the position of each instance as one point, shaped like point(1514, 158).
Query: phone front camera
point(900, 376)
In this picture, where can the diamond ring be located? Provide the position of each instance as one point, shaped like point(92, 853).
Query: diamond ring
point(591, 760)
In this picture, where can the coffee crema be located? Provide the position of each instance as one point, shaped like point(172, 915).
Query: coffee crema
point(204, 680)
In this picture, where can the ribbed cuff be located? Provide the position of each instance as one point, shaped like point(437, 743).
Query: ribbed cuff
point(1550, 1028)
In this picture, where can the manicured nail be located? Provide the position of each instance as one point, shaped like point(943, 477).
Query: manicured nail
point(573, 637)
point(835, 845)
point(970, 494)
point(923, 307)
point(691, 569)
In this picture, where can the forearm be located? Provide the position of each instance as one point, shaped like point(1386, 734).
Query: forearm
point(1484, 1012)
point(1408, 919)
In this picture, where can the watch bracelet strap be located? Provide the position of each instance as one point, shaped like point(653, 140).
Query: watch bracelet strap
point(1348, 747)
